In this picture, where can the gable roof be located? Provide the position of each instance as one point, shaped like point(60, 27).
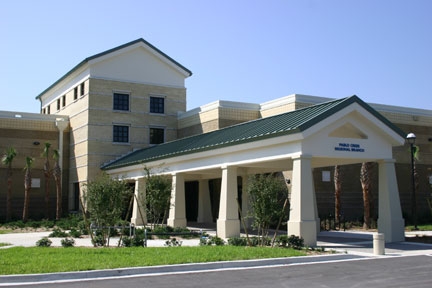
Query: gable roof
point(86, 60)
point(283, 124)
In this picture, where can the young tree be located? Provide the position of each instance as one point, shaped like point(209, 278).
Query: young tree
point(366, 183)
point(47, 173)
point(105, 199)
point(58, 179)
point(7, 159)
point(338, 191)
point(267, 194)
point(157, 199)
point(27, 186)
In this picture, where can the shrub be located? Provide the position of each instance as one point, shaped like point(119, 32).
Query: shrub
point(208, 241)
point(98, 241)
point(173, 243)
point(68, 242)
point(75, 233)
point(295, 242)
point(282, 240)
point(44, 242)
point(237, 241)
point(47, 223)
point(57, 232)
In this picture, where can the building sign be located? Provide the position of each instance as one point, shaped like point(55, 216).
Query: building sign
point(349, 147)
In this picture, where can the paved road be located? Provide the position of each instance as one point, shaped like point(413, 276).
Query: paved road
point(387, 271)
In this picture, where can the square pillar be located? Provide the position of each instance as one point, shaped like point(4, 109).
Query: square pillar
point(303, 218)
point(177, 212)
point(204, 204)
point(139, 216)
point(390, 221)
point(228, 224)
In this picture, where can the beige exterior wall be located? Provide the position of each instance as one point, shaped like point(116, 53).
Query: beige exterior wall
point(27, 133)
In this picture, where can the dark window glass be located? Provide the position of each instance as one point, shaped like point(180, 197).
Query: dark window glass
point(75, 93)
point(157, 135)
point(64, 100)
point(121, 102)
point(58, 104)
point(82, 89)
point(120, 134)
point(157, 105)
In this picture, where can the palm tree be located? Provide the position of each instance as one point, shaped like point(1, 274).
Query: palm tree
point(338, 191)
point(47, 173)
point(27, 186)
point(57, 178)
point(366, 183)
point(7, 159)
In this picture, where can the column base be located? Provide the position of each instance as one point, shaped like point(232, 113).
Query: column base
point(177, 222)
point(306, 229)
point(393, 230)
point(137, 221)
point(228, 228)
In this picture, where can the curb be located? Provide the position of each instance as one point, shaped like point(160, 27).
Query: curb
point(182, 268)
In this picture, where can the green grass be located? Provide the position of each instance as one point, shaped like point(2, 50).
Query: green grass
point(423, 227)
point(5, 231)
point(20, 260)
point(4, 244)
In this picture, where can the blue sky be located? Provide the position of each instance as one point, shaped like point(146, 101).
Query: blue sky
point(248, 51)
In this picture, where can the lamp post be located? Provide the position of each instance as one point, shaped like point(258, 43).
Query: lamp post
point(411, 138)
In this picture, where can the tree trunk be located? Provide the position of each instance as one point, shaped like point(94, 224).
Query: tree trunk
point(366, 182)
point(27, 188)
point(57, 178)
point(9, 197)
point(338, 191)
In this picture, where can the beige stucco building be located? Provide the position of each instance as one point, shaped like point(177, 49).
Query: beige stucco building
point(134, 96)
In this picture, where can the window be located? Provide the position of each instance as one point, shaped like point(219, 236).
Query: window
point(82, 89)
point(157, 105)
point(121, 101)
point(157, 135)
point(44, 111)
point(120, 134)
point(75, 93)
point(58, 104)
point(49, 109)
point(63, 100)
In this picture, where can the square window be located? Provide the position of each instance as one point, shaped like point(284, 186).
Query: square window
point(157, 105)
point(121, 101)
point(157, 135)
point(120, 134)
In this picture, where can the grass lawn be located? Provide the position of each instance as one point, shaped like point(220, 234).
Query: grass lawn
point(20, 260)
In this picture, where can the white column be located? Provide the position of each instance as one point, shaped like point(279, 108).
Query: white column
point(204, 204)
point(390, 221)
point(177, 213)
point(139, 216)
point(228, 224)
point(61, 126)
point(303, 216)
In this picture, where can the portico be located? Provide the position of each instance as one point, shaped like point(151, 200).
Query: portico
point(343, 131)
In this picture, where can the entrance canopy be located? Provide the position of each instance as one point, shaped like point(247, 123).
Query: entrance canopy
point(338, 132)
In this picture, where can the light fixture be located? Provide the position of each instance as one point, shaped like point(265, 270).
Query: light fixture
point(36, 143)
point(411, 138)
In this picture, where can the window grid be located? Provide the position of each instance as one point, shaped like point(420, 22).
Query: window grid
point(121, 102)
point(157, 105)
point(120, 134)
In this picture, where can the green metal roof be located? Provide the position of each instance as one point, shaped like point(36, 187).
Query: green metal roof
point(269, 127)
point(110, 51)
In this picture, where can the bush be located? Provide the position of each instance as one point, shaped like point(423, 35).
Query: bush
point(98, 241)
point(135, 241)
point(208, 241)
point(237, 241)
point(75, 233)
point(57, 232)
point(44, 242)
point(47, 223)
point(68, 242)
point(295, 242)
point(173, 243)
